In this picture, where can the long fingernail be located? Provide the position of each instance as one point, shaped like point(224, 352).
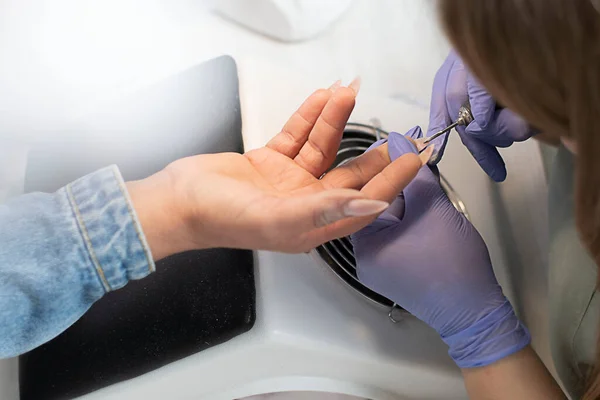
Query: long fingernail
point(364, 207)
point(355, 84)
point(426, 155)
point(335, 85)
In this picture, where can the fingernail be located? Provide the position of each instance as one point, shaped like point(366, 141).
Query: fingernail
point(355, 84)
point(419, 143)
point(335, 85)
point(426, 155)
point(364, 207)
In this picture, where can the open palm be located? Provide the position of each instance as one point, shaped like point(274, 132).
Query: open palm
point(276, 197)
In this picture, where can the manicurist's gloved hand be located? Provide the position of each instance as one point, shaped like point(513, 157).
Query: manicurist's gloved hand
point(428, 258)
point(452, 87)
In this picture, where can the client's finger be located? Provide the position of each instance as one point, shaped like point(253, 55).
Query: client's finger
point(299, 216)
point(319, 209)
point(296, 130)
point(356, 173)
point(395, 177)
point(319, 151)
point(385, 186)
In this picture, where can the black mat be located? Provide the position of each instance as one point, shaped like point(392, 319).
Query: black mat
point(195, 300)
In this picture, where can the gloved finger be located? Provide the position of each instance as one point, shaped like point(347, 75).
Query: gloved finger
point(395, 212)
point(456, 96)
point(483, 105)
point(439, 118)
point(486, 155)
point(374, 227)
point(488, 135)
point(390, 217)
point(376, 144)
point(438, 112)
point(414, 133)
point(399, 144)
point(514, 125)
point(456, 90)
point(505, 129)
point(424, 190)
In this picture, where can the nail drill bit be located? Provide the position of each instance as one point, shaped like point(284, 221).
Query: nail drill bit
point(465, 117)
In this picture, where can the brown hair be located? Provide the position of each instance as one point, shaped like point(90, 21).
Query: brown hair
point(541, 58)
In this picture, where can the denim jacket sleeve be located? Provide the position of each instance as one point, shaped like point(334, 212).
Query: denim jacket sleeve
point(61, 252)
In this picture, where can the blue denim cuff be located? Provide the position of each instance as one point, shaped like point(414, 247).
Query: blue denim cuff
point(110, 228)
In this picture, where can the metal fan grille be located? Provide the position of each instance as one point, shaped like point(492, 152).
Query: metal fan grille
point(339, 253)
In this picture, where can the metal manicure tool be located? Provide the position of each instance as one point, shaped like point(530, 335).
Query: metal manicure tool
point(465, 117)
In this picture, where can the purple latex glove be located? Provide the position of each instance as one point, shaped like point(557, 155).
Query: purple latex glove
point(452, 87)
point(428, 258)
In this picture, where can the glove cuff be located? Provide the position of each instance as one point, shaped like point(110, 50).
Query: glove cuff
point(497, 335)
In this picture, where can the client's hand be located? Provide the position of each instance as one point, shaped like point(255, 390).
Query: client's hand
point(273, 198)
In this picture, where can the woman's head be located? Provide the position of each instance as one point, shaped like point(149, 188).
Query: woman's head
point(541, 58)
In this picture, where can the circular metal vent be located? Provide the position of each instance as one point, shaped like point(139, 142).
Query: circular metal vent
point(338, 253)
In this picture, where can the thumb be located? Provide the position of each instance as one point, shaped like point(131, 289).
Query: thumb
point(398, 144)
point(486, 155)
point(483, 105)
point(423, 192)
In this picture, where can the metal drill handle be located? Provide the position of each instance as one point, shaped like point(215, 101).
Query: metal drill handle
point(465, 115)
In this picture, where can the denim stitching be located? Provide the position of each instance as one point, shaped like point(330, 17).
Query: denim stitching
point(136, 226)
point(86, 238)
